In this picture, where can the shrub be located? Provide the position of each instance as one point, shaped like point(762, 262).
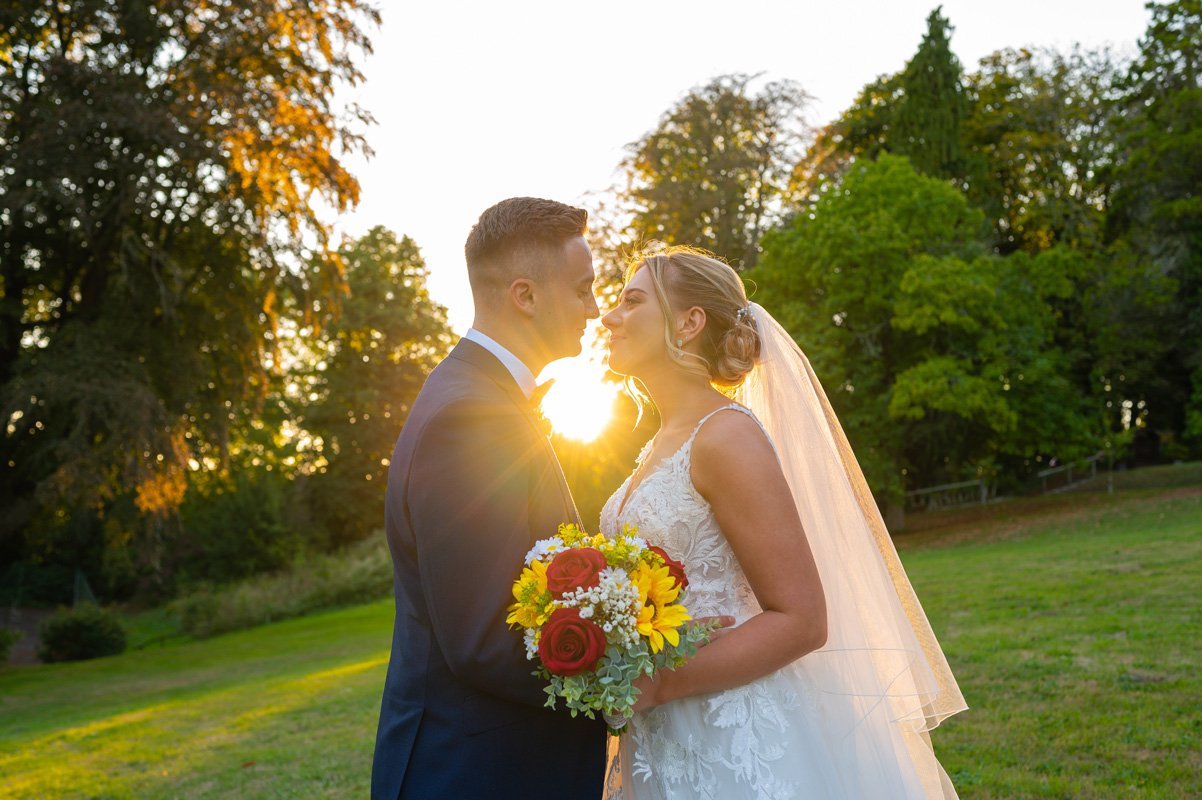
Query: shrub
point(86, 631)
point(360, 574)
point(8, 637)
point(233, 527)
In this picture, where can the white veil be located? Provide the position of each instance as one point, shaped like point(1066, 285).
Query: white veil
point(881, 664)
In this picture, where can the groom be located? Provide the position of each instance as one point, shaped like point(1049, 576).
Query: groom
point(472, 485)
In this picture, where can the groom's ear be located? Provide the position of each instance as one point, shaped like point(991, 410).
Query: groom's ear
point(521, 294)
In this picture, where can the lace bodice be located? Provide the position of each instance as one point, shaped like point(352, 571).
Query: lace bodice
point(671, 513)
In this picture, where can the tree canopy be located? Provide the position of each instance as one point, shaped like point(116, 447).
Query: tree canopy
point(161, 175)
point(714, 171)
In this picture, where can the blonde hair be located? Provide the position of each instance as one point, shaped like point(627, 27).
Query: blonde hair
point(685, 277)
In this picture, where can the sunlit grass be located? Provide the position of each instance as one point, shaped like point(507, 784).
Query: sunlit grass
point(284, 710)
point(1071, 623)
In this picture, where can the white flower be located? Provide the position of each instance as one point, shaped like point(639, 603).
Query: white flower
point(586, 612)
point(531, 636)
point(543, 548)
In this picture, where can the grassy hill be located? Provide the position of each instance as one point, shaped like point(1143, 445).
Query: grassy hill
point(1071, 622)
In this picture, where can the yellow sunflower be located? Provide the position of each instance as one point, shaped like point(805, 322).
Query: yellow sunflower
point(532, 606)
point(659, 616)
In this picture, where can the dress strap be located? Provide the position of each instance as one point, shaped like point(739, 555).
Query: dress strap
point(688, 445)
point(646, 451)
point(732, 407)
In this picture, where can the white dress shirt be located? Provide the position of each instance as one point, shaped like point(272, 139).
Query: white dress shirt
point(520, 372)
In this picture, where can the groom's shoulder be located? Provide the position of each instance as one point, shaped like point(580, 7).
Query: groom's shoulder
point(455, 380)
point(457, 394)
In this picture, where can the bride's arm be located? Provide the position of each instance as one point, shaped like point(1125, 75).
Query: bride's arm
point(735, 469)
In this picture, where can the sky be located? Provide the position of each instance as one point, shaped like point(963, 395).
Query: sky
point(476, 102)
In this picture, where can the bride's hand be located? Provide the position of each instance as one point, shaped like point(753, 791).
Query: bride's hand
point(722, 625)
point(649, 688)
point(647, 694)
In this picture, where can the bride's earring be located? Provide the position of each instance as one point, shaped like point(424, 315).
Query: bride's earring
point(679, 343)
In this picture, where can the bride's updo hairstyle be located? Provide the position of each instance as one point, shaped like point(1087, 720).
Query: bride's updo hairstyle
point(685, 277)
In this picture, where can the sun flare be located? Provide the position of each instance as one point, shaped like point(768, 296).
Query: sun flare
point(580, 403)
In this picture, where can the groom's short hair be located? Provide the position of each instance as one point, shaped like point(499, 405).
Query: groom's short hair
point(514, 238)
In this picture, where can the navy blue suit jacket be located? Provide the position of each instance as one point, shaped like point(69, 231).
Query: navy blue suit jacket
point(472, 485)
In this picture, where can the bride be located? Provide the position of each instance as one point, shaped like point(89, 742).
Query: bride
point(831, 678)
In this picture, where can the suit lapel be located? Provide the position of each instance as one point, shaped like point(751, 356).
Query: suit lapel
point(478, 357)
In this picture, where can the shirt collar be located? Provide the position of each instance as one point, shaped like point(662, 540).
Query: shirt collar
point(520, 372)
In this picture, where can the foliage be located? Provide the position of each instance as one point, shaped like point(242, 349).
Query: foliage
point(371, 360)
point(1087, 163)
point(714, 171)
point(1156, 205)
point(359, 574)
point(76, 634)
point(932, 349)
point(1036, 145)
point(916, 112)
point(8, 637)
point(925, 126)
point(860, 133)
point(160, 173)
point(234, 525)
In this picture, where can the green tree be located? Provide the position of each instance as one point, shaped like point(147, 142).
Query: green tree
point(925, 124)
point(373, 358)
point(714, 171)
point(1037, 143)
point(158, 177)
point(933, 349)
point(1156, 205)
point(916, 112)
point(1040, 143)
point(860, 133)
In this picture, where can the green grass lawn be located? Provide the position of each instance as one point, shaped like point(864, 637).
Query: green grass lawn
point(285, 710)
point(1072, 623)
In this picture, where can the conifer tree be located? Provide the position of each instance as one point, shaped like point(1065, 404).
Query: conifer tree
point(926, 121)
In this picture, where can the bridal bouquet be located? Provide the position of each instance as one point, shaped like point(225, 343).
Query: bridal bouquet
point(599, 612)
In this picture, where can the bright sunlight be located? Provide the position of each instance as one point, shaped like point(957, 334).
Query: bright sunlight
point(580, 404)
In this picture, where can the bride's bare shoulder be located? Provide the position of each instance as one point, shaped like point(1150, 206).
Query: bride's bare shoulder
point(731, 442)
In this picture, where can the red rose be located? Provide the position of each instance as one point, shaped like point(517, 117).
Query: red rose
point(570, 644)
point(575, 569)
point(675, 568)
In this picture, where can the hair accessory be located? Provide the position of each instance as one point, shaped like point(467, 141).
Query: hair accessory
point(744, 314)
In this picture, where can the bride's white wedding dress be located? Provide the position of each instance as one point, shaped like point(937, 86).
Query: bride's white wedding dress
point(847, 722)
